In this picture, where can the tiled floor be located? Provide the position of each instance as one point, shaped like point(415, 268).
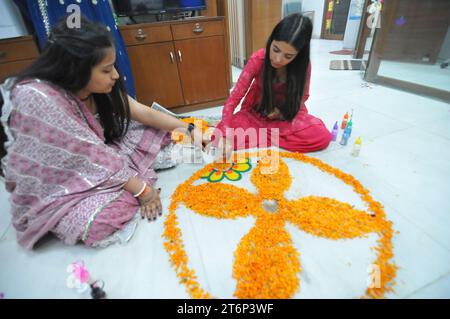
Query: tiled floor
point(404, 162)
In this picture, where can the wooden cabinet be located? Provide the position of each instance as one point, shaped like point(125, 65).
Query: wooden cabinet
point(203, 77)
point(156, 74)
point(179, 63)
point(16, 54)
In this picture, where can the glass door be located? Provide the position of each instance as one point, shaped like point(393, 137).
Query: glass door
point(411, 49)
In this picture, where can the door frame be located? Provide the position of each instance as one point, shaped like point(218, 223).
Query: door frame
point(363, 33)
point(323, 34)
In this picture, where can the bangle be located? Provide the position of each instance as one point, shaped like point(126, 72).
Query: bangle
point(141, 191)
point(146, 190)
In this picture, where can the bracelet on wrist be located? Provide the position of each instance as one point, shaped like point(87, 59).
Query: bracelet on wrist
point(146, 190)
point(190, 128)
point(140, 191)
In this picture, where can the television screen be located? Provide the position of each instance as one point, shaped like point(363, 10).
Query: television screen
point(140, 7)
point(185, 5)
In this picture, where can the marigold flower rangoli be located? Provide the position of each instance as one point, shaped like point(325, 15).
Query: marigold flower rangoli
point(266, 264)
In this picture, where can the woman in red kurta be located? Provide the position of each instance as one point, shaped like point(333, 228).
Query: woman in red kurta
point(275, 83)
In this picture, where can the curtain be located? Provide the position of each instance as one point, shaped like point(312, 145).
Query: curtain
point(42, 14)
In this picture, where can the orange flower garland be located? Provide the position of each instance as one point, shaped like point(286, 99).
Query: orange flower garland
point(266, 263)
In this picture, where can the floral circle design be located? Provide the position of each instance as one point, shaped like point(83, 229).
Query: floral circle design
point(231, 171)
point(266, 264)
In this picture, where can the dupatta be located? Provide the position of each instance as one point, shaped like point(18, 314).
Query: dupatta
point(57, 162)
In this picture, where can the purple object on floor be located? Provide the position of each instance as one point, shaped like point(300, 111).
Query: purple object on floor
point(334, 133)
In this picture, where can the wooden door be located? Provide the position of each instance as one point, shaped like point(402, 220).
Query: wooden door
point(261, 16)
point(335, 19)
point(202, 68)
point(155, 74)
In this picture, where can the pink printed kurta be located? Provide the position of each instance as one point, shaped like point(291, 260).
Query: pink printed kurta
point(305, 133)
point(61, 175)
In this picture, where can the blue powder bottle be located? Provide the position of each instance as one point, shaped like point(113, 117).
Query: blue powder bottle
point(349, 127)
point(345, 136)
point(334, 133)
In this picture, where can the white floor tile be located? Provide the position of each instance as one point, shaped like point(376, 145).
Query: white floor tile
point(402, 106)
point(439, 127)
point(440, 289)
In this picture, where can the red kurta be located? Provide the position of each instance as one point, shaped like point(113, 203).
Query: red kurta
point(305, 133)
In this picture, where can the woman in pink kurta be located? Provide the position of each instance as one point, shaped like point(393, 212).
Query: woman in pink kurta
point(275, 84)
point(80, 151)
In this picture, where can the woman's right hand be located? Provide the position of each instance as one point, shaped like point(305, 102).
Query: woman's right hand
point(199, 138)
point(150, 203)
point(225, 150)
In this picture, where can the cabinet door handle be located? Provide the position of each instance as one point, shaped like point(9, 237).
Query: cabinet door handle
point(141, 35)
point(172, 58)
point(2, 54)
point(180, 57)
point(198, 29)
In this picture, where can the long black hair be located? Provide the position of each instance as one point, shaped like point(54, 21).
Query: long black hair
point(296, 30)
point(67, 61)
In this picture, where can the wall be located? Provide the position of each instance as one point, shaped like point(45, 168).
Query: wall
point(11, 23)
point(291, 6)
point(317, 6)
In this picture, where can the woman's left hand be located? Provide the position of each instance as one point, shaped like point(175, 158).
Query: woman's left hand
point(150, 203)
point(275, 115)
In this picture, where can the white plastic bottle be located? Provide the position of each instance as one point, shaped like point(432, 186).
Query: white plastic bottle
point(357, 147)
